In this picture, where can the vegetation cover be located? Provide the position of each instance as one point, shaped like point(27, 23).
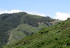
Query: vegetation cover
point(16, 26)
point(57, 36)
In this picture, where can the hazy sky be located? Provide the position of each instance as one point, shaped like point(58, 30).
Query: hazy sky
point(52, 8)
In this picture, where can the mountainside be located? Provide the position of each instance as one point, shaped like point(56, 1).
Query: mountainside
point(14, 27)
point(57, 36)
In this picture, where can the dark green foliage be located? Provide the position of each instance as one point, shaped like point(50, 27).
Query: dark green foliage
point(57, 36)
point(31, 21)
point(68, 19)
point(11, 21)
point(7, 22)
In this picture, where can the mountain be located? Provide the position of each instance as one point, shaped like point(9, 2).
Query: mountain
point(16, 26)
point(57, 36)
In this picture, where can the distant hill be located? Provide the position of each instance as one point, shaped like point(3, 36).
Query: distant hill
point(57, 36)
point(14, 27)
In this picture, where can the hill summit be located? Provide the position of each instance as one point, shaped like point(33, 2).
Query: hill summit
point(16, 26)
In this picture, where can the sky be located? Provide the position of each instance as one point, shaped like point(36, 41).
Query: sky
point(59, 9)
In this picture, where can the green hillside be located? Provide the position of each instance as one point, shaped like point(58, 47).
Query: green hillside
point(14, 27)
point(57, 36)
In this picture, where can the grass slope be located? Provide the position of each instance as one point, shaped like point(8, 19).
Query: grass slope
point(57, 36)
point(22, 31)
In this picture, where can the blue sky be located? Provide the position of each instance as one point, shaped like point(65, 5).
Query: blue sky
point(47, 7)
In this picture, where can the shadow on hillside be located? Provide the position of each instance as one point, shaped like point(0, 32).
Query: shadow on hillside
point(7, 22)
